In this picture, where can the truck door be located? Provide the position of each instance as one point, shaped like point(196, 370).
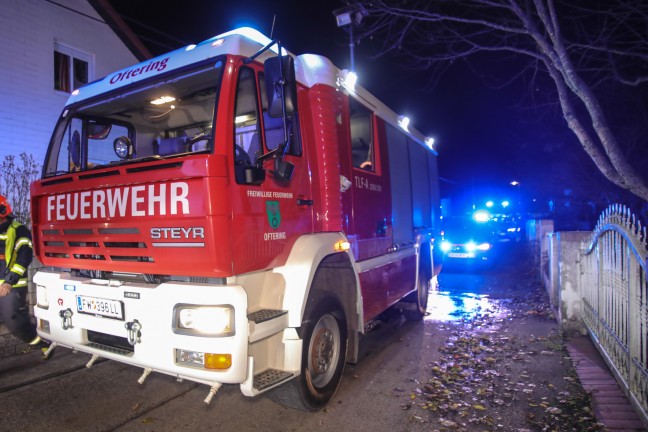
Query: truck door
point(267, 217)
point(367, 203)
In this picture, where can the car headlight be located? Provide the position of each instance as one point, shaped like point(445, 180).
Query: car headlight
point(446, 245)
point(471, 246)
point(204, 320)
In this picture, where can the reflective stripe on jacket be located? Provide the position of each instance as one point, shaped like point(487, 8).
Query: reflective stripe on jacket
point(13, 244)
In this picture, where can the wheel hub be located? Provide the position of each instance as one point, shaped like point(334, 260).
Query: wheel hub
point(322, 350)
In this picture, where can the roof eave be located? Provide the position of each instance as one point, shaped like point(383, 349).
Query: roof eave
point(121, 29)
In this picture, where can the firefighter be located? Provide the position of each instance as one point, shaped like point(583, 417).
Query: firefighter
point(15, 257)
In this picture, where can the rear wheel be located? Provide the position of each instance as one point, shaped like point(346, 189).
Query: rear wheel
point(419, 299)
point(324, 334)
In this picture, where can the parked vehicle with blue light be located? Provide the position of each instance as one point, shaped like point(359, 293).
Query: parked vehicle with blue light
point(467, 240)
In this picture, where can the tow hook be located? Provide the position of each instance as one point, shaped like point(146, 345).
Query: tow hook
point(134, 333)
point(66, 318)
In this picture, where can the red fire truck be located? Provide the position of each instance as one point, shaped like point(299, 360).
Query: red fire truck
point(230, 213)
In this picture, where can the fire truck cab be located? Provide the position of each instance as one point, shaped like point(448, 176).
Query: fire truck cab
point(230, 213)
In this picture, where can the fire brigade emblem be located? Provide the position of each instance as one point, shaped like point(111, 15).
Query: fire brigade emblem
point(274, 215)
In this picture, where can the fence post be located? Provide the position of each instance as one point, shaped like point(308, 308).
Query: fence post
point(634, 312)
point(566, 278)
point(552, 281)
point(601, 297)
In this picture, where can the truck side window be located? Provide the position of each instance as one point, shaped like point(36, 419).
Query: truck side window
point(247, 140)
point(69, 156)
point(273, 127)
point(362, 151)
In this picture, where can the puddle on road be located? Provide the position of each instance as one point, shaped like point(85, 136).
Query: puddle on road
point(447, 306)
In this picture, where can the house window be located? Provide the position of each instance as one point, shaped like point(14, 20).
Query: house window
point(72, 68)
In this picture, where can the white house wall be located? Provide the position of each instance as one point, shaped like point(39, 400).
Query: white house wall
point(28, 31)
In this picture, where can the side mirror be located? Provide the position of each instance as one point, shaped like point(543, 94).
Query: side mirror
point(98, 131)
point(283, 170)
point(249, 175)
point(277, 75)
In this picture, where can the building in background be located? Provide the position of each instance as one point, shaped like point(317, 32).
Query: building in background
point(48, 48)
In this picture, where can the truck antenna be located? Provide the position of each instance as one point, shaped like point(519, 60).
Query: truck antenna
point(274, 18)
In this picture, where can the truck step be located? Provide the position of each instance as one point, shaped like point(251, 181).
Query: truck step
point(266, 322)
point(265, 315)
point(270, 377)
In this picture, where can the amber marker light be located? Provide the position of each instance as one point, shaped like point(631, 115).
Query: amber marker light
point(218, 361)
point(342, 246)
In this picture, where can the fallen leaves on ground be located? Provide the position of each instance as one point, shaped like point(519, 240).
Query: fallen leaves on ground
point(486, 372)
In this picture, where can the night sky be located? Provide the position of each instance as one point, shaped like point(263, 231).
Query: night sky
point(478, 129)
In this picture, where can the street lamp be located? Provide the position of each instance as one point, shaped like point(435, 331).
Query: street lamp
point(349, 16)
point(516, 185)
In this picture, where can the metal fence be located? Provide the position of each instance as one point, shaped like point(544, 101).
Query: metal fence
point(615, 299)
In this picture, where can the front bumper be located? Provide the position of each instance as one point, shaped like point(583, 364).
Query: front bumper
point(152, 307)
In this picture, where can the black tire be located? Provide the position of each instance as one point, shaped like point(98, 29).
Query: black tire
point(324, 333)
point(418, 299)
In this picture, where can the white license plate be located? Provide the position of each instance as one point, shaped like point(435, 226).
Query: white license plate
point(99, 306)
point(459, 255)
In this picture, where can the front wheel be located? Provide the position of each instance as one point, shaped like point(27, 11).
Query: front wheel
point(324, 334)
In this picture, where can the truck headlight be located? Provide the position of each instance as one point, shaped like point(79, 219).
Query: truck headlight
point(204, 320)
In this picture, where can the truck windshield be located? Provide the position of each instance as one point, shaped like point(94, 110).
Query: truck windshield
point(155, 120)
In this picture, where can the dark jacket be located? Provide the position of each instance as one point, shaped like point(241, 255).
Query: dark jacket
point(15, 253)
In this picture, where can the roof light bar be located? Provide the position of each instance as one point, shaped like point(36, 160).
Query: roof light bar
point(347, 79)
point(403, 122)
point(429, 141)
point(254, 35)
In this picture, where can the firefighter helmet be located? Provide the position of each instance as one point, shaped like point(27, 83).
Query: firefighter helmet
point(5, 208)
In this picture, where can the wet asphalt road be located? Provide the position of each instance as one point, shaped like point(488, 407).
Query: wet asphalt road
point(375, 395)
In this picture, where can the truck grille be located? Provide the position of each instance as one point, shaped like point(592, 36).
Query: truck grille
point(95, 245)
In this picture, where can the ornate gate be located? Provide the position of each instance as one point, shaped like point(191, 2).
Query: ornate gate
point(615, 297)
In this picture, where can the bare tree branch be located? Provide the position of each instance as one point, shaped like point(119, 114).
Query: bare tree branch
point(15, 179)
point(583, 48)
